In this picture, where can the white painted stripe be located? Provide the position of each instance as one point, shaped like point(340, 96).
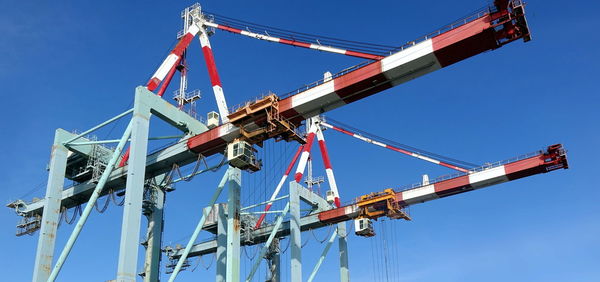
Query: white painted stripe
point(211, 24)
point(312, 94)
point(407, 55)
point(302, 163)
point(327, 49)
point(225, 131)
point(327, 125)
point(221, 103)
point(378, 144)
point(484, 178)
point(165, 67)
point(361, 138)
point(425, 191)
point(204, 42)
point(193, 29)
point(259, 36)
point(426, 159)
point(332, 183)
point(350, 209)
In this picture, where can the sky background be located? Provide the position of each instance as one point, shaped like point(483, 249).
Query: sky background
point(73, 65)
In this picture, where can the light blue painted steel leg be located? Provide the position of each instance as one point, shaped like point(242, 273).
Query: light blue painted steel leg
point(343, 248)
point(154, 234)
point(51, 215)
point(265, 248)
point(275, 265)
point(205, 213)
point(134, 192)
point(322, 257)
point(233, 226)
point(295, 236)
point(221, 255)
point(90, 205)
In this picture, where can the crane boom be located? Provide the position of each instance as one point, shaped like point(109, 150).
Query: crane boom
point(541, 162)
point(477, 34)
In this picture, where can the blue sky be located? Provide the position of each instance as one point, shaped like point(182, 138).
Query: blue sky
point(74, 65)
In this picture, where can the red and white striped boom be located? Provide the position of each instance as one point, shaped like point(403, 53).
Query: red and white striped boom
point(328, 168)
point(541, 162)
point(393, 148)
point(296, 43)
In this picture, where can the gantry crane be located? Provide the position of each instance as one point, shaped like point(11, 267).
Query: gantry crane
point(100, 171)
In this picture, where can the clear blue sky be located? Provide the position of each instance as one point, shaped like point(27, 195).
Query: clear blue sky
point(74, 65)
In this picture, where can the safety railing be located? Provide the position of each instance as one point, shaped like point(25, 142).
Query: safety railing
point(484, 167)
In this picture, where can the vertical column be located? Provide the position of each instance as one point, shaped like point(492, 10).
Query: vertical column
point(50, 217)
point(275, 262)
point(221, 255)
point(295, 237)
point(233, 225)
point(343, 247)
point(154, 233)
point(132, 211)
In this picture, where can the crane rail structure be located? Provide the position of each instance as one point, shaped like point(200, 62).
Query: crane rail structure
point(144, 178)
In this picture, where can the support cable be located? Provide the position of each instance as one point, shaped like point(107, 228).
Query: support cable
point(294, 35)
point(404, 149)
point(291, 40)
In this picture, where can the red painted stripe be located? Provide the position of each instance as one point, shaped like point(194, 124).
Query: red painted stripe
point(289, 113)
point(262, 216)
point(294, 43)
point(153, 83)
point(525, 167)
point(465, 41)
point(167, 80)
point(230, 29)
point(361, 83)
point(400, 198)
point(398, 150)
point(212, 67)
point(306, 149)
point(452, 186)
point(344, 131)
point(293, 162)
point(453, 167)
point(125, 158)
point(207, 142)
point(309, 142)
point(183, 43)
point(334, 215)
point(298, 177)
point(325, 154)
point(363, 55)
